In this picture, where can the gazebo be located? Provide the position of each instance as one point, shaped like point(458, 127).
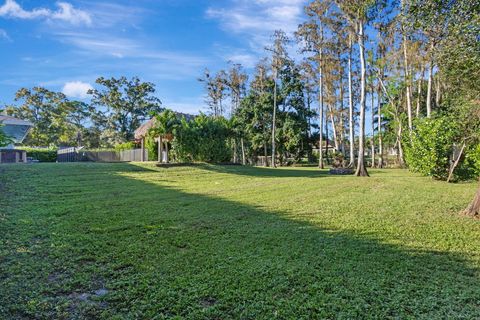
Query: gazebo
point(162, 140)
point(17, 130)
point(142, 132)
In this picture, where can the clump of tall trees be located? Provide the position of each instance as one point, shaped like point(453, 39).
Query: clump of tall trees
point(413, 66)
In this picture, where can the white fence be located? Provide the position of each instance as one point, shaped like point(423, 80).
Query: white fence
point(77, 154)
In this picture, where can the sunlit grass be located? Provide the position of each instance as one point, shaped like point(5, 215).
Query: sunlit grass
point(211, 242)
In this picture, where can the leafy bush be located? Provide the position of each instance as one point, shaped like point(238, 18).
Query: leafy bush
point(42, 155)
point(152, 147)
point(472, 161)
point(430, 146)
point(204, 139)
point(125, 146)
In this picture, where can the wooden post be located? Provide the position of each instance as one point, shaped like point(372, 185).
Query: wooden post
point(166, 152)
point(24, 156)
point(159, 149)
point(142, 156)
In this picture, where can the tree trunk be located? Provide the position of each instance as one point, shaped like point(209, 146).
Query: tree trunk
point(160, 149)
point(407, 79)
point(243, 152)
point(351, 123)
point(361, 169)
point(326, 140)
point(335, 137)
point(438, 95)
point(235, 150)
point(167, 160)
point(372, 141)
point(379, 129)
point(274, 125)
point(401, 159)
point(320, 120)
point(419, 90)
point(429, 86)
point(265, 154)
point(473, 209)
point(455, 163)
point(342, 123)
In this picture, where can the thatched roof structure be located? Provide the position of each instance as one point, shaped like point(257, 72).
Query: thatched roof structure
point(142, 131)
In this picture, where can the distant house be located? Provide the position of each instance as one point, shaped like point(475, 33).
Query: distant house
point(326, 145)
point(17, 130)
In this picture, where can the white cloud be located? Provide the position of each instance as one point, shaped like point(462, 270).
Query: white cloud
point(76, 89)
point(4, 35)
point(255, 21)
point(259, 18)
point(65, 12)
point(68, 13)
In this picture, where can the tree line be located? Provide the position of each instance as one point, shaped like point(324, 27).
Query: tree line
point(115, 110)
point(412, 65)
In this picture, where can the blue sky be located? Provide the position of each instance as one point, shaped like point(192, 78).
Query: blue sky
point(66, 45)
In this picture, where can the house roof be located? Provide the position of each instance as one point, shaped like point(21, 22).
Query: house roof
point(14, 121)
point(16, 129)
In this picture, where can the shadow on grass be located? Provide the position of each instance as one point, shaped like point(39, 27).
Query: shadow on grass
point(281, 172)
point(161, 252)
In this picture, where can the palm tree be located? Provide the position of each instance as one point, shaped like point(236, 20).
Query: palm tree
point(165, 126)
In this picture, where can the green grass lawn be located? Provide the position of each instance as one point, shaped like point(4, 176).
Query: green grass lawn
point(129, 241)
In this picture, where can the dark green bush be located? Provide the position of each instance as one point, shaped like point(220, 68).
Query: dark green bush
point(204, 139)
point(42, 155)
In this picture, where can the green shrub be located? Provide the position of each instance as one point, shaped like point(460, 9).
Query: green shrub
point(152, 147)
point(125, 146)
point(205, 139)
point(42, 155)
point(430, 146)
point(472, 161)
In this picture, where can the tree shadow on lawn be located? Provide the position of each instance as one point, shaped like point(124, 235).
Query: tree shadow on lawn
point(161, 252)
point(283, 172)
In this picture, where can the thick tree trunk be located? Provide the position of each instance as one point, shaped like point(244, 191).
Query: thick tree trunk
point(274, 125)
point(361, 169)
point(473, 209)
point(351, 123)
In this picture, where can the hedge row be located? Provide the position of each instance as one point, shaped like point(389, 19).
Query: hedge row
point(42, 155)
